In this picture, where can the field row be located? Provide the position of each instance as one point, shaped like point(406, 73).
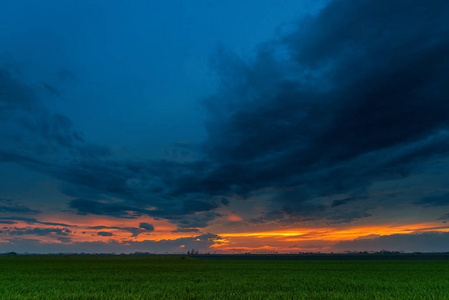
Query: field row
point(152, 277)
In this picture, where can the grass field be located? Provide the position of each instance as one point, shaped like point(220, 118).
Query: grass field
point(170, 277)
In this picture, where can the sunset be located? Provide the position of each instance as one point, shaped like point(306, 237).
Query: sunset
point(300, 125)
point(224, 127)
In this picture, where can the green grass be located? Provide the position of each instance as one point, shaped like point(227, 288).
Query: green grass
point(155, 277)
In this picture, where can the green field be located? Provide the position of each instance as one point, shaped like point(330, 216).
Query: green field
point(170, 277)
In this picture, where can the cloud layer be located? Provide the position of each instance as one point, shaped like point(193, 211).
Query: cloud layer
point(352, 96)
point(416, 242)
point(181, 245)
point(355, 95)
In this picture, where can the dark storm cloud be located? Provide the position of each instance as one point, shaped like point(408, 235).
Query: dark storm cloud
point(34, 221)
point(134, 231)
point(9, 206)
point(354, 95)
point(339, 202)
point(104, 233)
point(415, 242)
point(26, 115)
point(18, 209)
point(197, 220)
point(101, 208)
point(272, 215)
point(29, 129)
point(136, 185)
point(14, 95)
point(441, 199)
point(146, 226)
point(143, 227)
point(338, 217)
point(185, 230)
point(196, 214)
point(39, 231)
point(47, 142)
point(7, 222)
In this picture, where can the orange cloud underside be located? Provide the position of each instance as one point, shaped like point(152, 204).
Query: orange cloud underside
point(312, 239)
point(287, 240)
point(333, 234)
point(81, 231)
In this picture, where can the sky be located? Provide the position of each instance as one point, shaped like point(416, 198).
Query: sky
point(224, 126)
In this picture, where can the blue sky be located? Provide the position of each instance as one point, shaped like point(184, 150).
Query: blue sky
point(136, 68)
point(223, 121)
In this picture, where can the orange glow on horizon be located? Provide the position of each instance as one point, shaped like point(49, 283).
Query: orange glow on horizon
point(325, 237)
point(286, 240)
point(333, 234)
